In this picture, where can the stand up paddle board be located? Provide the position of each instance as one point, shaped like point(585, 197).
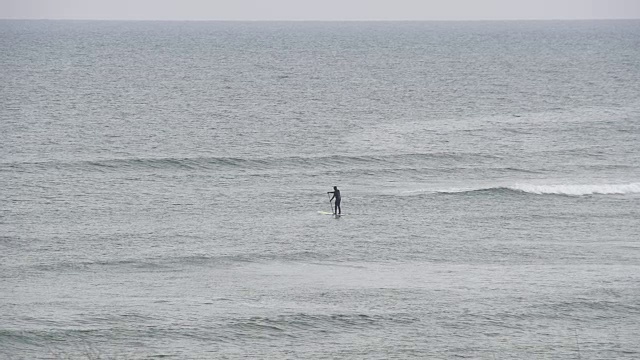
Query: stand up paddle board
point(329, 213)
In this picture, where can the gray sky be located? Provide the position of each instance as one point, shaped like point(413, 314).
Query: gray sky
point(319, 9)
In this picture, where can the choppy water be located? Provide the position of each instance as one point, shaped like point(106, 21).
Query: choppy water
point(160, 186)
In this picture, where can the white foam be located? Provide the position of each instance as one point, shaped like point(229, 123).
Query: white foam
point(578, 190)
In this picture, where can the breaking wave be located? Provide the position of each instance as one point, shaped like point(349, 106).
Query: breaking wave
point(578, 190)
point(568, 189)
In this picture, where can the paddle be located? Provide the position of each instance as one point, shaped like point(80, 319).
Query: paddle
point(331, 204)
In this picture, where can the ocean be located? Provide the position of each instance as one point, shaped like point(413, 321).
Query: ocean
point(162, 183)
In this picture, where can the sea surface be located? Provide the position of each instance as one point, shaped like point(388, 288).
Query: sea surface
point(161, 183)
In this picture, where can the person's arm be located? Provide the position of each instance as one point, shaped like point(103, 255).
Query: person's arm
point(331, 192)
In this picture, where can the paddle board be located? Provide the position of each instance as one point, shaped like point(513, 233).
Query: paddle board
point(329, 213)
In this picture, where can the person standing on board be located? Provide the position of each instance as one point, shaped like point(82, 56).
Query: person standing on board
point(336, 195)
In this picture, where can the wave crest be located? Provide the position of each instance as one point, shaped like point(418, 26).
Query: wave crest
point(563, 189)
point(579, 190)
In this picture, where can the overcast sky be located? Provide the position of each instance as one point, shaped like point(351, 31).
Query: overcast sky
point(319, 9)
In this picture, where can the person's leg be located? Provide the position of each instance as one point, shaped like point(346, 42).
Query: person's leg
point(338, 208)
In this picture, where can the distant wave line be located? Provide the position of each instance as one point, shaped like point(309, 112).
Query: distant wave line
point(239, 162)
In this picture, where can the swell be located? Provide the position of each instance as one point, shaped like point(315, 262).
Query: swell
point(231, 329)
point(368, 164)
point(167, 264)
point(296, 324)
point(242, 163)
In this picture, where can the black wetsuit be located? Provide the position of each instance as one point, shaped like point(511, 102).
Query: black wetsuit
point(336, 195)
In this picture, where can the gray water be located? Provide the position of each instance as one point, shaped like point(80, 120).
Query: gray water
point(161, 183)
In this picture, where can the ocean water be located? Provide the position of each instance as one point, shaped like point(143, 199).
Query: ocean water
point(161, 182)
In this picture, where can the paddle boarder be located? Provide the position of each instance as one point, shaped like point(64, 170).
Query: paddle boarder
point(336, 195)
